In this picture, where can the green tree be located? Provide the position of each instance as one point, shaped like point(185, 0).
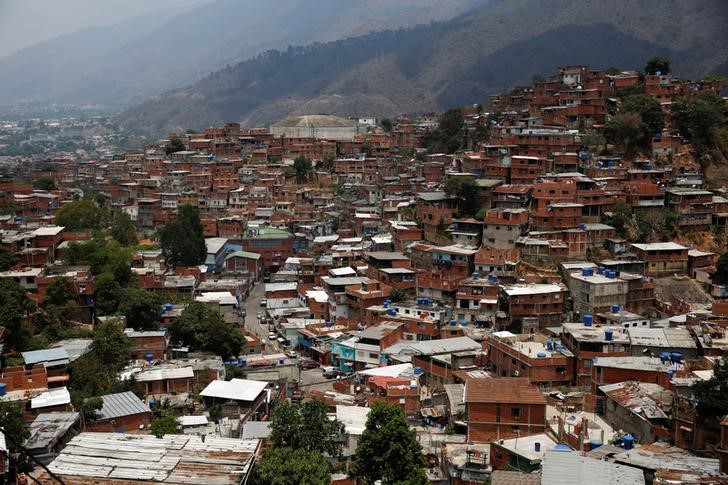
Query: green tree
point(656, 225)
point(721, 269)
point(111, 344)
point(468, 194)
point(89, 406)
point(44, 183)
point(447, 137)
point(203, 328)
point(700, 119)
point(182, 240)
point(11, 422)
point(291, 467)
point(14, 309)
point(107, 294)
point(621, 217)
point(657, 64)
point(7, 259)
point(398, 295)
point(387, 125)
point(174, 145)
point(60, 292)
point(166, 424)
point(303, 168)
point(142, 309)
point(81, 215)
point(388, 449)
point(648, 108)
point(306, 427)
point(626, 130)
point(123, 230)
point(711, 394)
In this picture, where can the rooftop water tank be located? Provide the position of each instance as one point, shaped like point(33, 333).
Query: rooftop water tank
point(418, 371)
point(676, 357)
point(476, 275)
point(392, 312)
point(2, 388)
point(463, 323)
point(594, 444)
point(582, 227)
point(588, 320)
point(149, 357)
point(602, 269)
point(282, 360)
point(550, 344)
point(615, 308)
point(665, 357)
point(329, 324)
point(386, 305)
point(586, 271)
point(243, 362)
point(562, 447)
point(541, 355)
point(167, 307)
point(628, 441)
point(453, 323)
point(608, 335)
point(537, 447)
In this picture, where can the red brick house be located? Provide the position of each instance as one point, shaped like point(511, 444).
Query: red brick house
point(503, 407)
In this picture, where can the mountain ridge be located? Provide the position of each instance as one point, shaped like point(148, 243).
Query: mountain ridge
point(442, 64)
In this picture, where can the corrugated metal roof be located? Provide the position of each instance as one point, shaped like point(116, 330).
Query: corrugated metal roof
point(45, 355)
point(568, 468)
point(110, 457)
point(49, 428)
point(121, 404)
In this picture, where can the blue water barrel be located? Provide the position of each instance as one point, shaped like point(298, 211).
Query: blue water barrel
point(665, 357)
point(676, 357)
point(282, 360)
point(453, 323)
point(2, 388)
point(588, 320)
point(615, 308)
point(608, 335)
point(149, 357)
point(541, 355)
point(628, 441)
point(537, 447)
point(562, 447)
point(243, 362)
point(594, 444)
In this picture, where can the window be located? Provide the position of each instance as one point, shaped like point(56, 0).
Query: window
point(587, 363)
point(373, 356)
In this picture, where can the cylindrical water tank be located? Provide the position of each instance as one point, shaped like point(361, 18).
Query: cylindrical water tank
point(615, 308)
point(628, 441)
point(676, 357)
point(2, 388)
point(665, 357)
point(537, 447)
point(453, 323)
point(594, 444)
point(149, 357)
point(588, 320)
point(608, 334)
point(418, 371)
point(541, 355)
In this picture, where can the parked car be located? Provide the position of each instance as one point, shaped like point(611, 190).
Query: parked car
point(263, 302)
point(272, 336)
point(292, 354)
point(307, 364)
point(329, 372)
point(298, 395)
point(260, 316)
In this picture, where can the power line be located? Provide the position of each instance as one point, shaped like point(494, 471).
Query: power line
point(33, 458)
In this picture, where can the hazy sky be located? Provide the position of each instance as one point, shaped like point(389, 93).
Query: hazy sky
point(27, 22)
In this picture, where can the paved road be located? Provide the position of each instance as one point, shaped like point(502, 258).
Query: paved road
point(252, 324)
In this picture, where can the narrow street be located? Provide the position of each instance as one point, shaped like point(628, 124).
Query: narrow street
point(252, 324)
